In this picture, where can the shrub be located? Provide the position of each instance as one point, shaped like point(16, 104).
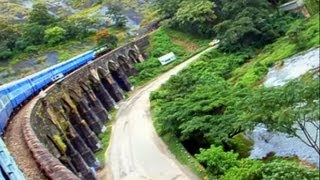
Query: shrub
point(217, 161)
point(54, 35)
point(247, 170)
point(103, 37)
point(280, 169)
point(31, 49)
point(5, 54)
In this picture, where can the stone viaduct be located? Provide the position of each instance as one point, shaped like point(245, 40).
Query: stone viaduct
point(62, 131)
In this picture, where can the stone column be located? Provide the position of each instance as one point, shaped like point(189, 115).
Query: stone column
point(86, 153)
point(88, 115)
point(85, 132)
point(123, 79)
point(79, 163)
point(103, 95)
point(140, 57)
point(113, 88)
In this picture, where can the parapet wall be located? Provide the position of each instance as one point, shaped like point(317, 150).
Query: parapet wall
point(69, 116)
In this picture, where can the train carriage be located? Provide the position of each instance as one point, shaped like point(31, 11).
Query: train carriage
point(40, 79)
point(19, 91)
point(6, 108)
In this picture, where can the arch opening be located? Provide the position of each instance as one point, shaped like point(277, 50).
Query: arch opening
point(124, 65)
point(119, 76)
point(108, 84)
point(86, 92)
point(133, 56)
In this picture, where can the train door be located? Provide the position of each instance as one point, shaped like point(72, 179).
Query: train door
point(6, 109)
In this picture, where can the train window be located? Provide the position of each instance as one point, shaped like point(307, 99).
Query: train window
point(4, 100)
point(15, 92)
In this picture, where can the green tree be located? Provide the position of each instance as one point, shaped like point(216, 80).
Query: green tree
point(103, 37)
point(295, 36)
point(40, 15)
point(168, 8)
point(294, 107)
point(33, 33)
point(196, 16)
point(8, 36)
point(115, 13)
point(54, 35)
point(245, 23)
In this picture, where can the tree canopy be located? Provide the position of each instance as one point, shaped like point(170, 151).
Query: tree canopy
point(40, 15)
point(54, 35)
point(238, 24)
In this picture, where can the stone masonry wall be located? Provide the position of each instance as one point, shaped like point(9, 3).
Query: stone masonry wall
point(65, 122)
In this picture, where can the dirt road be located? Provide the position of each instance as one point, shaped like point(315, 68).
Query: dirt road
point(136, 152)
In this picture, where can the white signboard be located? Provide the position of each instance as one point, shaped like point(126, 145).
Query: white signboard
point(168, 58)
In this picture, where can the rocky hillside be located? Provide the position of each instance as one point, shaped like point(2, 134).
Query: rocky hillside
point(16, 11)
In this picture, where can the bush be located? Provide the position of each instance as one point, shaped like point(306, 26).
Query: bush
point(217, 161)
point(312, 6)
point(5, 54)
point(31, 49)
point(280, 169)
point(295, 36)
point(54, 35)
point(247, 170)
point(103, 37)
point(21, 44)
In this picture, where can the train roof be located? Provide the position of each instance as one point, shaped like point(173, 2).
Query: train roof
point(42, 71)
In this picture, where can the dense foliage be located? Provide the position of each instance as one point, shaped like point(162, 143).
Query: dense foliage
point(103, 37)
point(217, 98)
point(115, 14)
point(227, 166)
point(195, 16)
point(238, 24)
point(42, 29)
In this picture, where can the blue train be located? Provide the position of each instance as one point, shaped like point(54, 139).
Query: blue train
point(8, 168)
point(14, 94)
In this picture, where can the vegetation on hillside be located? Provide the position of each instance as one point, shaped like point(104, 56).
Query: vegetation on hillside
point(257, 24)
point(42, 29)
point(209, 104)
point(164, 41)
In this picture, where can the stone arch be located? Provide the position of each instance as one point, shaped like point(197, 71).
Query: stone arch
point(126, 65)
point(119, 76)
point(99, 106)
point(74, 96)
point(67, 108)
point(86, 112)
point(86, 92)
point(109, 84)
point(133, 56)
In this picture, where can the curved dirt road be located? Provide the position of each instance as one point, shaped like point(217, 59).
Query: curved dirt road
point(136, 152)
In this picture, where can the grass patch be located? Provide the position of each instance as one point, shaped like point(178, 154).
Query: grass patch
point(105, 138)
point(164, 41)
